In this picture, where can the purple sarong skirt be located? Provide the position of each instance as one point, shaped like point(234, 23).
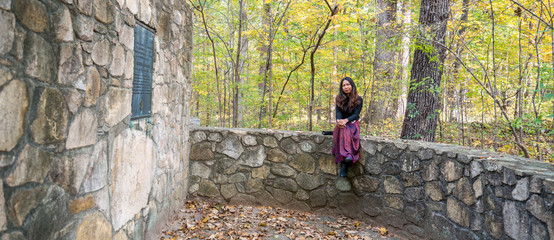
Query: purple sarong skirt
point(346, 142)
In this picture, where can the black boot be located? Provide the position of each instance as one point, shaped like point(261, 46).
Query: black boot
point(348, 160)
point(343, 170)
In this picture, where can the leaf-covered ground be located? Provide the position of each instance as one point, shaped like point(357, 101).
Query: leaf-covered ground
point(202, 220)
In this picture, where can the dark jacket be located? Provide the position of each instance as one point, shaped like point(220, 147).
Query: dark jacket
point(352, 115)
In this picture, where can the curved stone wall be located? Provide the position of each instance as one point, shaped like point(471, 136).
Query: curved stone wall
point(417, 189)
point(73, 165)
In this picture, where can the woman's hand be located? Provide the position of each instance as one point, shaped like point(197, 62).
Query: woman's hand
point(342, 122)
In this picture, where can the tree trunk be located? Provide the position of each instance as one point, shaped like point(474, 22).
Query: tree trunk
point(455, 90)
point(200, 9)
point(420, 120)
point(384, 61)
point(238, 66)
point(264, 54)
point(334, 10)
point(405, 60)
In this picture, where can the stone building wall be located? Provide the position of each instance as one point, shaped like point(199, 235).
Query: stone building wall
point(416, 189)
point(72, 163)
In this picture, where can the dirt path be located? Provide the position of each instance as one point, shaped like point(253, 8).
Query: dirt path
point(202, 220)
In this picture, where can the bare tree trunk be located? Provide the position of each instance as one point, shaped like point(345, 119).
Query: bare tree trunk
point(264, 54)
point(405, 60)
point(494, 89)
point(519, 106)
point(200, 9)
point(237, 65)
point(420, 121)
point(384, 62)
point(267, 69)
point(334, 11)
point(333, 79)
point(364, 41)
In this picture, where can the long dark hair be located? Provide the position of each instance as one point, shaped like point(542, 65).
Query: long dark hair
point(343, 101)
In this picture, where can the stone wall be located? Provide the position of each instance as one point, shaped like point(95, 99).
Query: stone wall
point(72, 163)
point(419, 190)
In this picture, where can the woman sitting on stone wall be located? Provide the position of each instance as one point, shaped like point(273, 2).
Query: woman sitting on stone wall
point(346, 135)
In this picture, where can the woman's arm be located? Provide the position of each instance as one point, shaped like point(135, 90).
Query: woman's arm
point(357, 111)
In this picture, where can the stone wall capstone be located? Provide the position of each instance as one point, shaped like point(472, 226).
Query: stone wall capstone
point(73, 165)
point(419, 190)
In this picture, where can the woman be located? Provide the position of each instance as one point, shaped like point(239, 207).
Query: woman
point(346, 136)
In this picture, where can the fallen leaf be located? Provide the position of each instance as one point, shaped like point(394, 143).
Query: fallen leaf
point(383, 231)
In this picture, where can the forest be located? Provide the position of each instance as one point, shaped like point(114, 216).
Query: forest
point(466, 72)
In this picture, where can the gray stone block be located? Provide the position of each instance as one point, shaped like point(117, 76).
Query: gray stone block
point(458, 213)
point(282, 196)
point(425, 154)
point(537, 208)
point(350, 205)
point(395, 201)
point(270, 142)
point(494, 225)
point(318, 198)
point(285, 184)
point(208, 189)
point(215, 137)
point(416, 214)
point(411, 179)
point(516, 220)
point(390, 151)
point(439, 228)
point(521, 191)
point(32, 166)
point(289, 145)
point(253, 156)
point(464, 191)
point(276, 155)
point(391, 168)
point(392, 185)
point(231, 147)
point(414, 194)
point(509, 177)
point(476, 169)
point(283, 170)
point(309, 182)
point(365, 184)
point(434, 190)
point(409, 162)
point(372, 205)
point(451, 170)
point(50, 216)
point(303, 163)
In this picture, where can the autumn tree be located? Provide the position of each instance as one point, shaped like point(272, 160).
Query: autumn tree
point(423, 105)
point(384, 64)
point(333, 10)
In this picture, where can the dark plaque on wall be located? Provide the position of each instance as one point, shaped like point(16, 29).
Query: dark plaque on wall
point(142, 77)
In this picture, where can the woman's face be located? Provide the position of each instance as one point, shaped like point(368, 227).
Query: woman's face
point(346, 87)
